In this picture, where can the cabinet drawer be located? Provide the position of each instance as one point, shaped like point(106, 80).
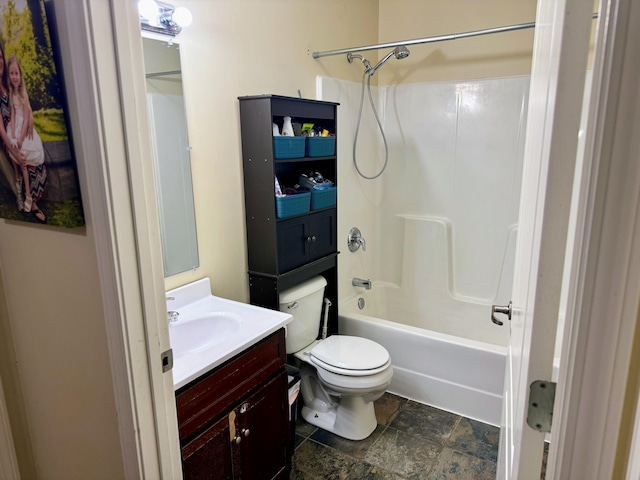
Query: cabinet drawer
point(202, 401)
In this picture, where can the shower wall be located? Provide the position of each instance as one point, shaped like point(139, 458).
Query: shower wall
point(440, 223)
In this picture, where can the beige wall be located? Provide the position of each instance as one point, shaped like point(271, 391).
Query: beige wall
point(63, 416)
point(498, 55)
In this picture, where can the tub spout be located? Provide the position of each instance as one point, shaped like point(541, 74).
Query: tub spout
point(360, 282)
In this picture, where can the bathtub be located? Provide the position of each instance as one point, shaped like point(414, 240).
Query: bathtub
point(452, 373)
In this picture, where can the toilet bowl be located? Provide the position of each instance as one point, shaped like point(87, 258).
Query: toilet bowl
point(341, 375)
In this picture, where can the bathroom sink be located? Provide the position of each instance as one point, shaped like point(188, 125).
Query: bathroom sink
point(210, 330)
point(202, 332)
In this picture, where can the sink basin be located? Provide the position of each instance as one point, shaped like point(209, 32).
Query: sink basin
point(202, 332)
point(211, 330)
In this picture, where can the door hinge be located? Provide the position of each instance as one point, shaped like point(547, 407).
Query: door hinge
point(541, 397)
point(167, 360)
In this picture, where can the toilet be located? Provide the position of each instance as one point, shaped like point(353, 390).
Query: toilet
point(342, 375)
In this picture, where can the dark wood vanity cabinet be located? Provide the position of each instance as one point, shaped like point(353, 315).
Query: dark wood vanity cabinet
point(284, 252)
point(234, 421)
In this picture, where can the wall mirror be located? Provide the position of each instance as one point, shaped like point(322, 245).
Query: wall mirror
point(172, 167)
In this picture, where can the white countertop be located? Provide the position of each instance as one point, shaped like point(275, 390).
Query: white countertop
point(195, 301)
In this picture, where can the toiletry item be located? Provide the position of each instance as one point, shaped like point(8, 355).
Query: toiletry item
point(306, 128)
point(278, 189)
point(287, 127)
point(314, 181)
point(276, 131)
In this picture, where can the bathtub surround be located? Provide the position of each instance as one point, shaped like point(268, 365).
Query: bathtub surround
point(441, 222)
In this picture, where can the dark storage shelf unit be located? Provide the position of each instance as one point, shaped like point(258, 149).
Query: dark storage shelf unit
point(283, 252)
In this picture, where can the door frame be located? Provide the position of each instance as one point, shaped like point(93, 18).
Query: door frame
point(99, 45)
point(604, 292)
point(558, 76)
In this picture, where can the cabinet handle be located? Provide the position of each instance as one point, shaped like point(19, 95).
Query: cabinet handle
point(309, 239)
point(313, 238)
point(245, 432)
point(237, 440)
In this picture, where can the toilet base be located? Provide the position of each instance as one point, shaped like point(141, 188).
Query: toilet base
point(352, 418)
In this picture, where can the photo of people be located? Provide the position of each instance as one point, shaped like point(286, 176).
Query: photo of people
point(38, 181)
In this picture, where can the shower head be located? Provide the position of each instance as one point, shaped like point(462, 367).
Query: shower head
point(367, 63)
point(401, 52)
point(398, 52)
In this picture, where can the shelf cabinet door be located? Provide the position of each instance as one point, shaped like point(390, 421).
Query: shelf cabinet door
point(306, 238)
point(322, 229)
point(209, 455)
point(263, 425)
point(293, 244)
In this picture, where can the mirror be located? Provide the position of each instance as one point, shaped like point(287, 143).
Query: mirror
point(172, 166)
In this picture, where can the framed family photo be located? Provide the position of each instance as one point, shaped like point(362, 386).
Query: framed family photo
point(38, 178)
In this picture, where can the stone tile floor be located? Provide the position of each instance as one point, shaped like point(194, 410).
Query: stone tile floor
point(412, 442)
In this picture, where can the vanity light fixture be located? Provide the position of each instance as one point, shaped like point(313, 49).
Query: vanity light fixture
point(162, 17)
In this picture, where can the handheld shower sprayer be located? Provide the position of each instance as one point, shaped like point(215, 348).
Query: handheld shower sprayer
point(398, 52)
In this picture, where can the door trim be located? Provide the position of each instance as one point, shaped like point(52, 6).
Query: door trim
point(90, 34)
point(603, 301)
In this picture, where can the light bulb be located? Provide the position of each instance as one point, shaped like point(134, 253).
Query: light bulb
point(182, 16)
point(148, 9)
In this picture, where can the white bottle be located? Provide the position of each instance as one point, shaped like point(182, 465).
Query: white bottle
point(276, 132)
point(287, 127)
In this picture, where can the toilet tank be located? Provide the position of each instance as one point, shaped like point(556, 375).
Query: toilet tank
point(304, 303)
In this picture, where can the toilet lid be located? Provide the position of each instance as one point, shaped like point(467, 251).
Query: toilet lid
point(350, 353)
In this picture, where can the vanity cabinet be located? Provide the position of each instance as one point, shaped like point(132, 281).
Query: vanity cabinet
point(283, 252)
point(234, 421)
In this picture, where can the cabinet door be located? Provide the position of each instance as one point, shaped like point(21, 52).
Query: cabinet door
point(263, 424)
point(209, 456)
point(293, 243)
point(322, 230)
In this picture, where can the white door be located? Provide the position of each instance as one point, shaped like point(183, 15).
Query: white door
point(557, 82)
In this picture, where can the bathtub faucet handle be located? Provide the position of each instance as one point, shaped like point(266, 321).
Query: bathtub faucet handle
point(356, 240)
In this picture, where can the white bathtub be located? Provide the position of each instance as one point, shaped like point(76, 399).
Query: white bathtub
point(451, 373)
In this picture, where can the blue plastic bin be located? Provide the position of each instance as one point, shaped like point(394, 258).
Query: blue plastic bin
point(293, 205)
point(323, 198)
point(288, 147)
point(321, 146)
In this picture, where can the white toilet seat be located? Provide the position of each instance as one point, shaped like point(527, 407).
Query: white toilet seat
point(353, 383)
point(348, 355)
point(346, 371)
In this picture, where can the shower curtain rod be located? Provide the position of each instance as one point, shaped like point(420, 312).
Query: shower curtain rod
point(439, 38)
